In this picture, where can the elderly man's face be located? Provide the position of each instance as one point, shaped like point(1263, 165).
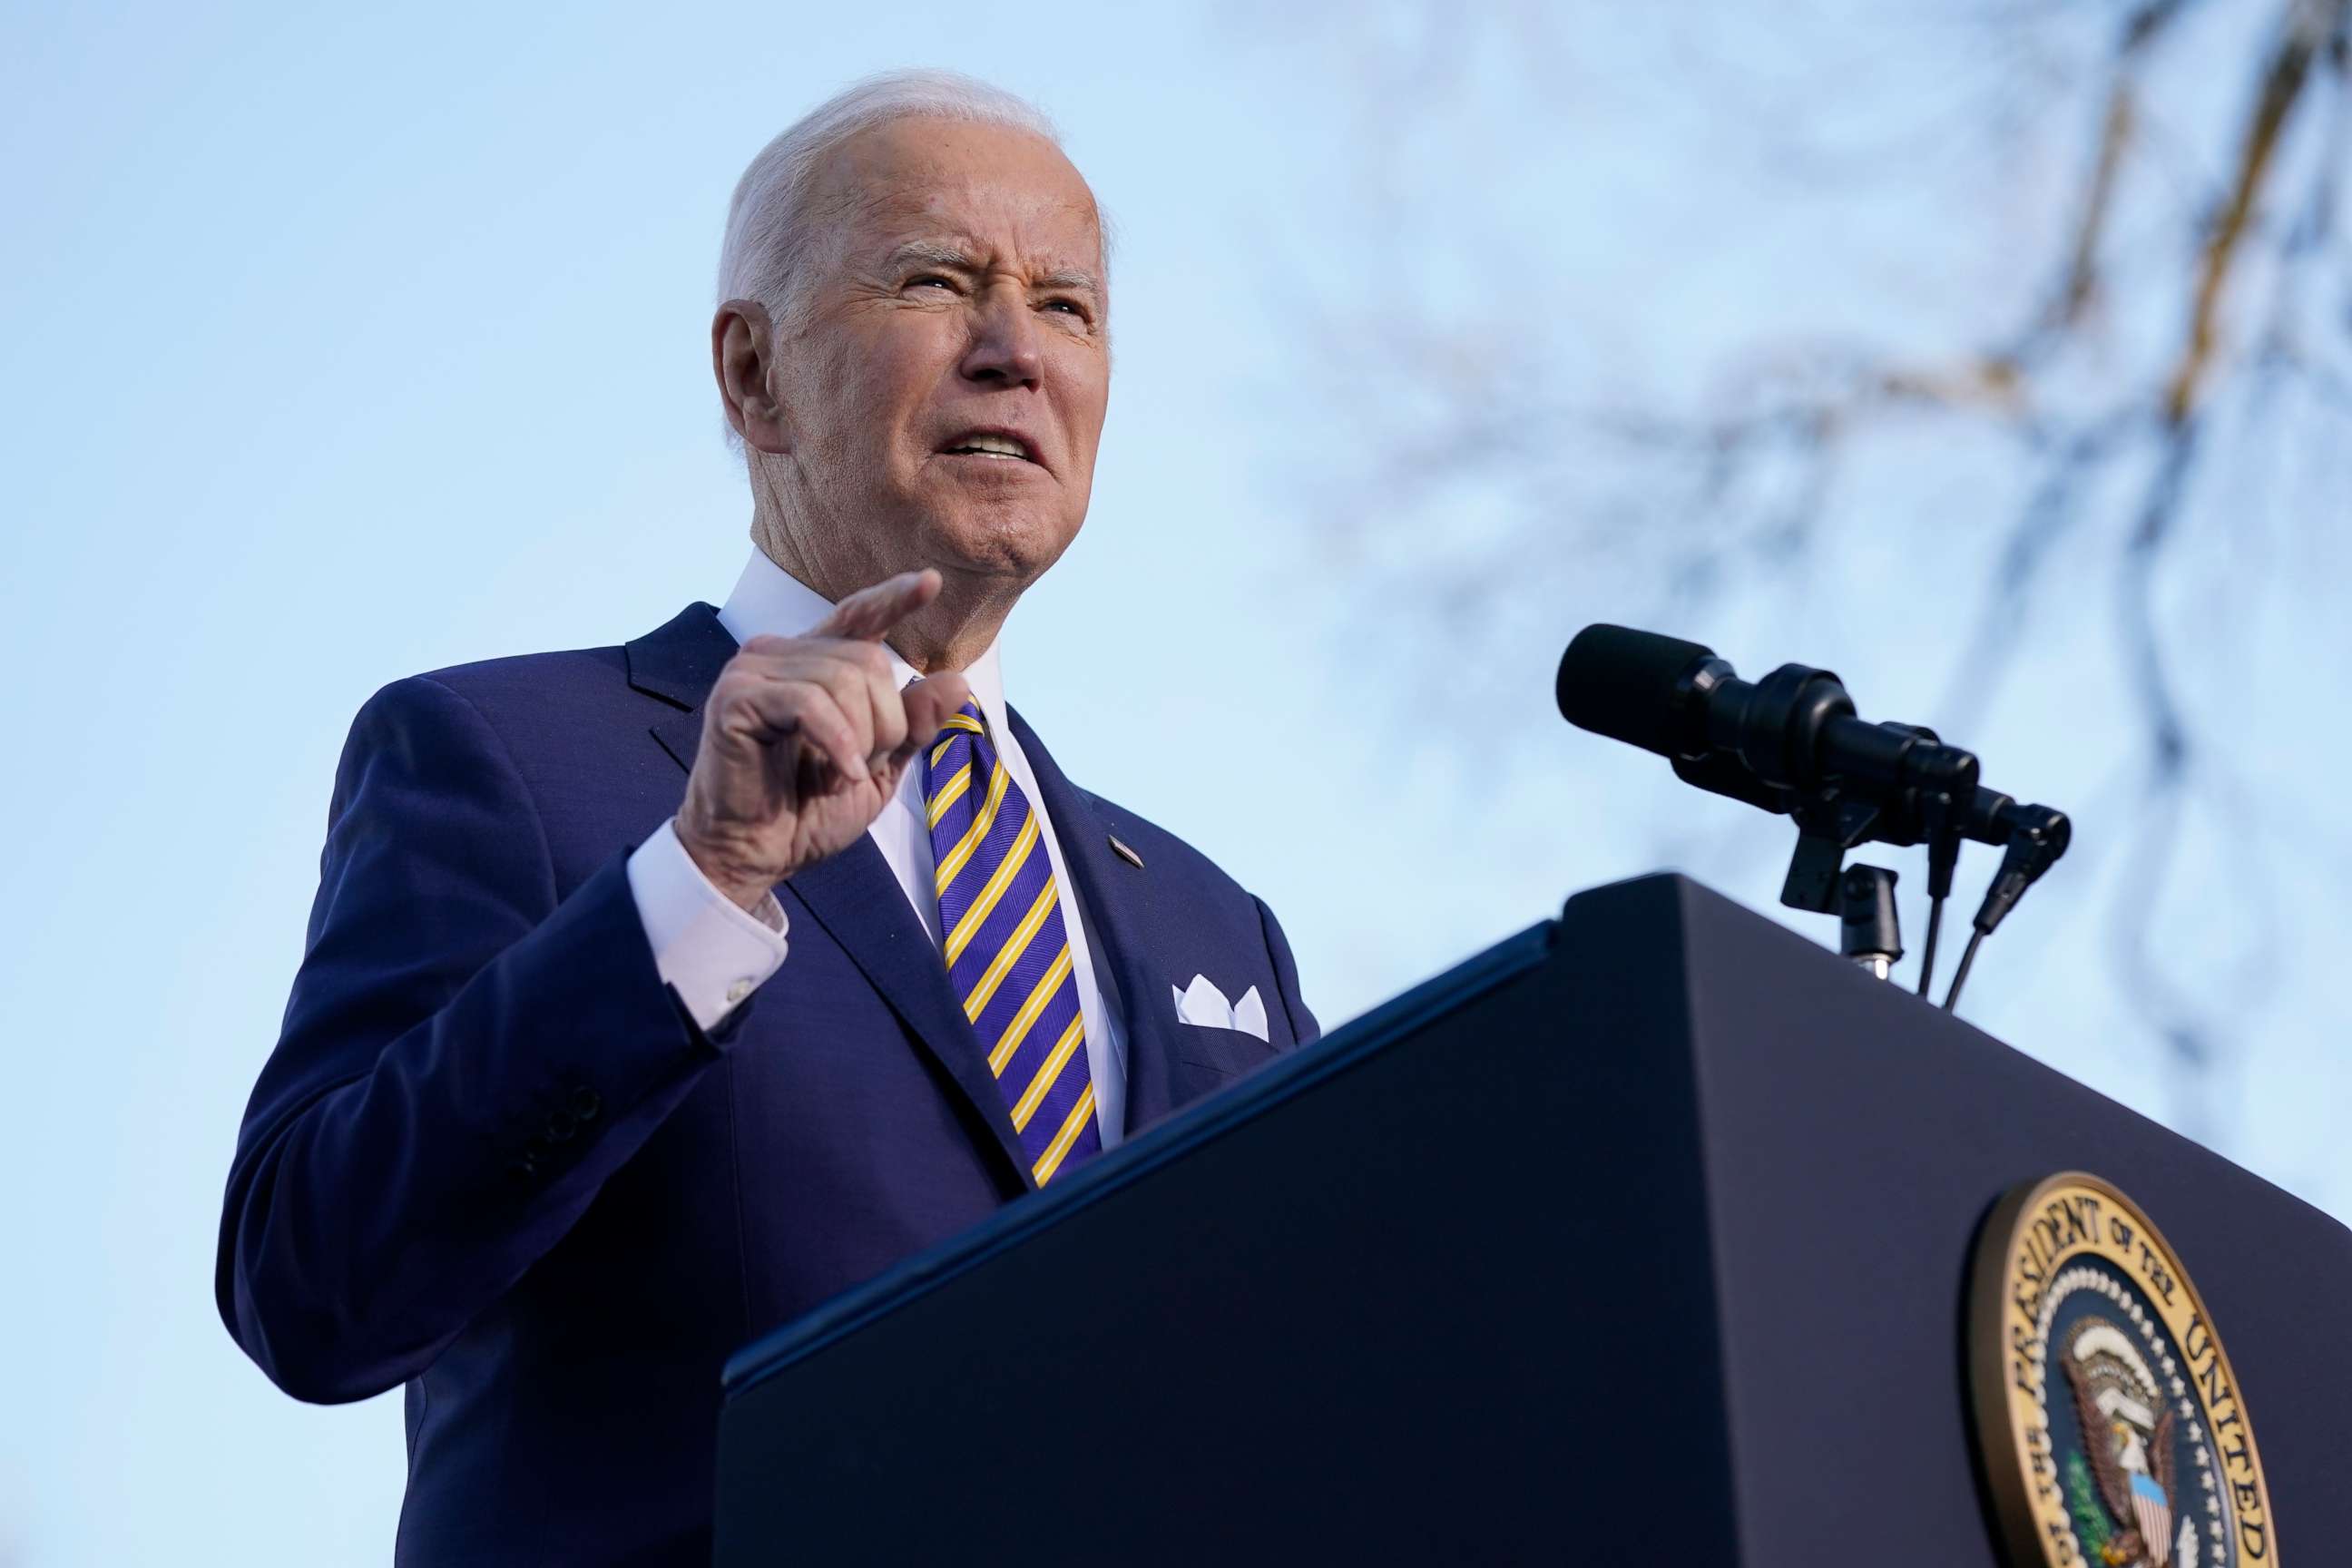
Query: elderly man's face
point(942, 391)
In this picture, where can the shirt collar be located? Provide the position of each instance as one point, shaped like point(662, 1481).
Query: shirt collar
point(768, 601)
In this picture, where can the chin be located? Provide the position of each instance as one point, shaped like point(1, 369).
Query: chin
point(1010, 542)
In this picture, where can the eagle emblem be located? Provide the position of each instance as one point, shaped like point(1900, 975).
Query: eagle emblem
point(2127, 1445)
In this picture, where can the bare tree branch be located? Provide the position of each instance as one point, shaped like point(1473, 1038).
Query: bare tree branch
point(2085, 390)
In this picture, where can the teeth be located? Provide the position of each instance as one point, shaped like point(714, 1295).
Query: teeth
point(991, 445)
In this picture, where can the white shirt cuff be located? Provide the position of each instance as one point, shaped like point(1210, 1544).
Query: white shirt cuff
point(704, 943)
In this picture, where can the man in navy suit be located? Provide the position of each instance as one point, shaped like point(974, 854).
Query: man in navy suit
point(654, 994)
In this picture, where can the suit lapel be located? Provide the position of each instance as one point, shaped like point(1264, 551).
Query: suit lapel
point(856, 899)
point(852, 895)
point(1122, 910)
point(679, 661)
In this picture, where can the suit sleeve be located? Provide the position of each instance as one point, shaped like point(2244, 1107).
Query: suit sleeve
point(1302, 1026)
point(464, 1059)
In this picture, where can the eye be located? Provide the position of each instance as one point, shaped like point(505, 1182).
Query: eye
point(931, 280)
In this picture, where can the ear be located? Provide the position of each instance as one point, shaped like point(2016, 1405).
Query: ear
point(742, 357)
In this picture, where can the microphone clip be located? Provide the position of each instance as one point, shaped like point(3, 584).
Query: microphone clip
point(1908, 789)
point(1828, 824)
point(2038, 836)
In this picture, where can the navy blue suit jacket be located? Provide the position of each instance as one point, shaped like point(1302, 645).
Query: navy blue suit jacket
point(493, 1158)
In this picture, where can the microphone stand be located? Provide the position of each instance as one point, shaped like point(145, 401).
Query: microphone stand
point(1931, 797)
point(1869, 930)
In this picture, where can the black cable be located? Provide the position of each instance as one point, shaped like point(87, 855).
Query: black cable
point(1968, 956)
point(1927, 957)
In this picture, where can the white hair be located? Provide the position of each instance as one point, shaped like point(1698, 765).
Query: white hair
point(764, 256)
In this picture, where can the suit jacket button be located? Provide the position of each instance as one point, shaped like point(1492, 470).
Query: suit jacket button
point(522, 1169)
point(560, 1127)
point(586, 1103)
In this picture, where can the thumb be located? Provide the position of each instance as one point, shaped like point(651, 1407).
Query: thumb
point(930, 703)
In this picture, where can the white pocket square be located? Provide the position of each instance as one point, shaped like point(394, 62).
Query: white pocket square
point(1202, 1003)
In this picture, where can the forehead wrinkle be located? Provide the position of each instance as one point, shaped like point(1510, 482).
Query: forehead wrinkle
point(914, 174)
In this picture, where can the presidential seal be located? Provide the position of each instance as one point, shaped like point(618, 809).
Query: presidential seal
point(2111, 1426)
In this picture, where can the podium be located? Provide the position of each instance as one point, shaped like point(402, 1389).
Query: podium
point(1642, 1236)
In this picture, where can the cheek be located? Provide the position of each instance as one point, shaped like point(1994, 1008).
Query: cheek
point(875, 386)
point(1082, 416)
point(900, 373)
point(904, 368)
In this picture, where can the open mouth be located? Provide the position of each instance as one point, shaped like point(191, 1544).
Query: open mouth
point(993, 443)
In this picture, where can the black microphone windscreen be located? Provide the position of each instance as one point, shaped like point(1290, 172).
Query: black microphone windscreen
point(1619, 682)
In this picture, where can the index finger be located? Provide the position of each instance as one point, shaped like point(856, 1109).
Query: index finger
point(870, 613)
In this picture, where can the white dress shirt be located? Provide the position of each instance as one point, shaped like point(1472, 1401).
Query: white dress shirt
point(715, 954)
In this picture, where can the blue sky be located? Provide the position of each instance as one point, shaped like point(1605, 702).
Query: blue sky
point(343, 347)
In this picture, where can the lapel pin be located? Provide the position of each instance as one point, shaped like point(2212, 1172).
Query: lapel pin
point(1130, 856)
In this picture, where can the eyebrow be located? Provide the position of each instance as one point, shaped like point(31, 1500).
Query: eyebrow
point(1071, 278)
point(955, 257)
point(930, 253)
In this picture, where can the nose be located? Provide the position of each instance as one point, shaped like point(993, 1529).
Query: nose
point(1004, 351)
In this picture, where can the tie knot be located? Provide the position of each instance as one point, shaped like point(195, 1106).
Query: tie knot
point(966, 721)
point(958, 746)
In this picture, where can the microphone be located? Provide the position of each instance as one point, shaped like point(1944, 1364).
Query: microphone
point(1793, 743)
point(2034, 838)
point(1790, 733)
point(1640, 688)
point(2038, 836)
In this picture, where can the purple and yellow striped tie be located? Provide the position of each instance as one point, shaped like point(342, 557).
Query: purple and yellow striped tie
point(1007, 950)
